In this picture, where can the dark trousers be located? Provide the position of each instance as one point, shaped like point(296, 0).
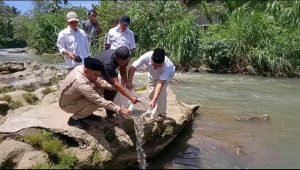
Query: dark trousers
point(109, 95)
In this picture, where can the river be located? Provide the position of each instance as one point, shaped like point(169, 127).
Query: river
point(215, 139)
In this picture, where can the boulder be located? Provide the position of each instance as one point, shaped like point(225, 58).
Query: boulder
point(96, 147)
point(11, 152)
point(29, 75)
point(263, 117)
point(31, 158)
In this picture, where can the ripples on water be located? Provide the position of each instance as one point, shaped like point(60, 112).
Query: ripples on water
point(216, 137)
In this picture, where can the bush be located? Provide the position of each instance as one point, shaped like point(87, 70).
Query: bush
point(217, 53)
point(30, 98)
point(181, 39)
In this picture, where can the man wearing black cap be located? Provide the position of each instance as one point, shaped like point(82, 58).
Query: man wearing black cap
point(160, 72)
point(121, 35)
point(113, 60)
point(81, 93)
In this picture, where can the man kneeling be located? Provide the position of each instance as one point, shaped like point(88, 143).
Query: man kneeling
point(81, 93)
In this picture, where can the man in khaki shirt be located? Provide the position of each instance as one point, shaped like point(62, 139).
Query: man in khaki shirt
point(81, 93)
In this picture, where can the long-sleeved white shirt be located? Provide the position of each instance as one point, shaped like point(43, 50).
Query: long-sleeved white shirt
point(75, 42)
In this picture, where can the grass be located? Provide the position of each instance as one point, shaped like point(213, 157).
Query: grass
point(12, 104)
point(109, 134)
point(6, 98)
point(46, 141)
point(15, 104)
point(30, 98)
point(65, 161)
point(29, 88)
point(53, 146)
point(141, 88)
point(169, 130)
point(7, 89)
point(47, 90)
point(96, 157)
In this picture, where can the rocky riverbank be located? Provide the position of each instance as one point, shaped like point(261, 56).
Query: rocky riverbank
point(34, 131)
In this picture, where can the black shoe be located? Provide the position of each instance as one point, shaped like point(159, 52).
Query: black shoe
point(78, 123)
point(92, 117)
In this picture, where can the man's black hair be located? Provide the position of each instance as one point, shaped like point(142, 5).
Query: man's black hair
point(92, 10)
point(122, 53)
point(158, 55)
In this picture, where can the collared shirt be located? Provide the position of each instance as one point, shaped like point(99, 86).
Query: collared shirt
point(75, 42)
point(162, 73)
point(110, 64)
point(116, 38)
point(76, 86)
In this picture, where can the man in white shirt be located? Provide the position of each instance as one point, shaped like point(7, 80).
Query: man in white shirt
point(160, 72)
point(72, 43)
point(121, 35)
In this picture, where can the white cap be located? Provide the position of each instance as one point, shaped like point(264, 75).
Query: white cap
point(72, 16)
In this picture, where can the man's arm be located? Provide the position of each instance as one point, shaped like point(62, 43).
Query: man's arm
point(104, 84)
point(131, 72)
point(87, 91)
point(115, 82)
point(157, 91)
point(123, 72)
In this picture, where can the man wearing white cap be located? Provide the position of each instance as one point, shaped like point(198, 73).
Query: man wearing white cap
point(72, 43)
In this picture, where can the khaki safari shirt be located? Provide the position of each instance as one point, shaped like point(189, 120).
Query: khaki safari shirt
point(76, 86)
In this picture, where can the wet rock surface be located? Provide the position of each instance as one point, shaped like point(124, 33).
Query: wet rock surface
point(104, 145)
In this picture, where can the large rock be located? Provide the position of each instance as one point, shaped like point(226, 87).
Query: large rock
point(30, 159)
point(29, 75)
point(12, 151)
point(118, 152)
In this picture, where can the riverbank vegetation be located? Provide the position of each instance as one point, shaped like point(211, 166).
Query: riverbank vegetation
point(249, 37)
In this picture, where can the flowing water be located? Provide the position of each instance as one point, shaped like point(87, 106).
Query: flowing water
point(215, 139)
point(51, 61)
point(139, 133)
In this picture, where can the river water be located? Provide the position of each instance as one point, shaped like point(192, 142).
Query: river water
point(215, 139)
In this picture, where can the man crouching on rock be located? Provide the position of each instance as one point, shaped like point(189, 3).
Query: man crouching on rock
point(81, 93)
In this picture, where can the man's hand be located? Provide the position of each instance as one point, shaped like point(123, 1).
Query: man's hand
point(70, 54)
point(152, 104)
point(134, 99)
point(125, 113)
point(129, 85)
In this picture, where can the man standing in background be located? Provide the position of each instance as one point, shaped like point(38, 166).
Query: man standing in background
point(121, 35)
point(92, 29)
point(72, 43)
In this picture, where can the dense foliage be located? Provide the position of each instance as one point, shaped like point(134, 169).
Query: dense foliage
point(251, 37)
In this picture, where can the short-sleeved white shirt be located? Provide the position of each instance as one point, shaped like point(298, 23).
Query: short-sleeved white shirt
point(75, 42)
point(116, 38)
point(163, 73)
